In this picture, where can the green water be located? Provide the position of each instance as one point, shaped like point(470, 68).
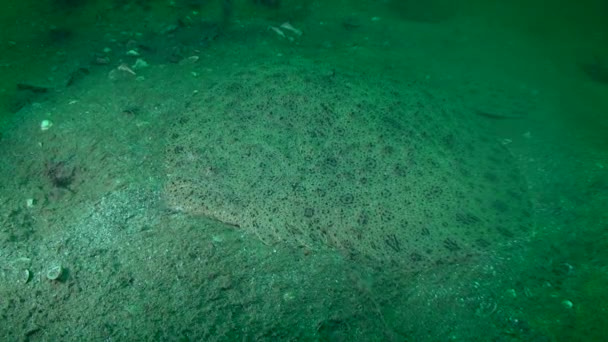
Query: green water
point(175, 164)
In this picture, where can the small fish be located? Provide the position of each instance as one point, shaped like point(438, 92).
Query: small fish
point(496, 116)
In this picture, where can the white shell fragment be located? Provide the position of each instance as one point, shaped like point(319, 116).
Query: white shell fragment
point(140, 64)
point(45, 125)
point(55, 272)
point(289, 27)
point(133, 53)
point(25, 276)
point(277, 31)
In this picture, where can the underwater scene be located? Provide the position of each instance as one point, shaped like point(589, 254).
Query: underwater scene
point(303, 170)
